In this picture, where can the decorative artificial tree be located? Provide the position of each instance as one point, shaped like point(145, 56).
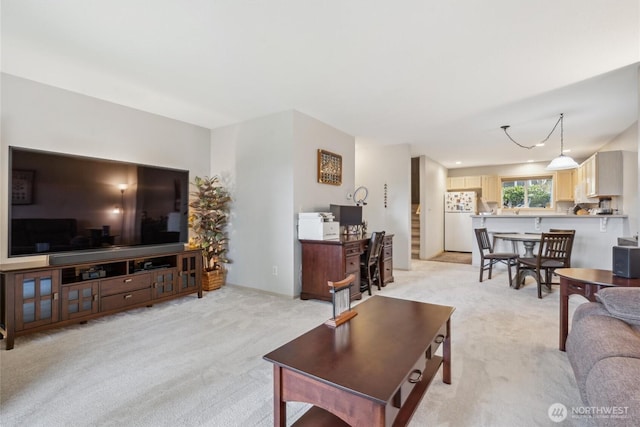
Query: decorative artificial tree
point(208, 218)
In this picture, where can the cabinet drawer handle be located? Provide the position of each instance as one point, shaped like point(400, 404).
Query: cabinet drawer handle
point(127, 280)
point(439, 339)
point(128, 296)
point(415, 376)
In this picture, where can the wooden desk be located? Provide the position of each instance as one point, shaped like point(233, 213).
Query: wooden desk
point(585, 282)
point(386, 260)
point(370, 371)
point(333, 260)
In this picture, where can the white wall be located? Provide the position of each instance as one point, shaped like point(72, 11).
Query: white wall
point(43, 117)
point(627, 142)
point(433, 185)
point(310, 196)
point(390, 165)
point(256, 160)
point(270, 164)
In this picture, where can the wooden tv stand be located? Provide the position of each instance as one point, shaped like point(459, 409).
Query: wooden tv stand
point(39, 298)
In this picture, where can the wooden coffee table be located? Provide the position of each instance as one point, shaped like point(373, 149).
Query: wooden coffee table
point(372, 370)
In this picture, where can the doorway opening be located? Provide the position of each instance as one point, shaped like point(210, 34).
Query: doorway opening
point(415, 208)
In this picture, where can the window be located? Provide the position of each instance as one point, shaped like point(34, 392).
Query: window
point(527, 192)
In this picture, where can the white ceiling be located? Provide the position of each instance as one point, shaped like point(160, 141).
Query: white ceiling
point(442, 76)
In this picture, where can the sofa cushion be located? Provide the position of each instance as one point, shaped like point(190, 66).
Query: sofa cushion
point(597, 337)
point(612, 385)
point(623, 303)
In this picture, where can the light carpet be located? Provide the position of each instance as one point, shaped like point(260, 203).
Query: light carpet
point(193, 362)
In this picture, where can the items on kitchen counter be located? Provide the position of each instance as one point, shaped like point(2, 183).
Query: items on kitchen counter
point(604, 206)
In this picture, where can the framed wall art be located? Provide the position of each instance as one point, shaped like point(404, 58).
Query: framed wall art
point(329, 168)
point(21, 187)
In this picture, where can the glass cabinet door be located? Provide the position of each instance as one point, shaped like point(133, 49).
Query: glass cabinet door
point(79, 300)
point(165, 282)
point(190, 266)
point(37, 300)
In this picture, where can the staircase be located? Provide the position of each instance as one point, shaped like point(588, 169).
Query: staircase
point(415, 231)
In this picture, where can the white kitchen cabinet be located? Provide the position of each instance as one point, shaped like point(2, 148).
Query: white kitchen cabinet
point(455, 183)
point(603, 174)
point(464, 182)
point(564, 186)
point(490, 189)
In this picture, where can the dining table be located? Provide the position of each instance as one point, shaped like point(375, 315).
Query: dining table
point(529, 241)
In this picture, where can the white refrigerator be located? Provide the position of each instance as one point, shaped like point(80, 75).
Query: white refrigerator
point(458, 232)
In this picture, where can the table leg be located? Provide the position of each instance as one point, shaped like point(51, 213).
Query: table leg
point(446, 356)
point(528, 248)
point(564, 312)
point(515, 281)
point(279, 406)
point(570, 287)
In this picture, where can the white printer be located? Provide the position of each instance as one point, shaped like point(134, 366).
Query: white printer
point(317, 226)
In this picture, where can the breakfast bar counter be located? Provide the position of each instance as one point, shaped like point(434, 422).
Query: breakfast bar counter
point(595, 234)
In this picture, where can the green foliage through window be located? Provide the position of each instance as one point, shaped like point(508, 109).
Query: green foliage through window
point(527, 193)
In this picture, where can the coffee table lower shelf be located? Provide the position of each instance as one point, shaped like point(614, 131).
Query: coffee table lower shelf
point(318, 417)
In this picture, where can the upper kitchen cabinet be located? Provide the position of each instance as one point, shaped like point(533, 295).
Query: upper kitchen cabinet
point(490, 189)
point(603, 174)
point(564, 185)
point(464, 182)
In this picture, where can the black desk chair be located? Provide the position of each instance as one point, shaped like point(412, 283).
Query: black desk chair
point(369, 265)
point(488, 258)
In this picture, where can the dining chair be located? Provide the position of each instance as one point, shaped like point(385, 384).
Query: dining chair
point(554, 251)
point(369, 265)
point(488, 257)
point(558, 230)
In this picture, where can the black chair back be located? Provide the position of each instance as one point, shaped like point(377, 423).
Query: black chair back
point(555, 246)
point(369, 272)
point(482, 236)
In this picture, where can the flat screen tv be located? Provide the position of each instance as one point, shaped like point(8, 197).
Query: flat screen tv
point(63, 203)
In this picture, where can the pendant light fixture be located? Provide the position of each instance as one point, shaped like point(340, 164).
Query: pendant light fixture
point(561, 162)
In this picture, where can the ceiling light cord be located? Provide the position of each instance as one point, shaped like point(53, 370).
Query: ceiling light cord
point(561, 133)
point(529, 147)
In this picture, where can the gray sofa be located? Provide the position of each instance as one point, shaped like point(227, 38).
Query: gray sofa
point(603, 348)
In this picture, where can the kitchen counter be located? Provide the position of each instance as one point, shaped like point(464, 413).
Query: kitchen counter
point(595, 234)
point(549, 216)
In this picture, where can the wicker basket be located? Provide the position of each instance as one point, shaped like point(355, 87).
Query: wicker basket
point(212, 280)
